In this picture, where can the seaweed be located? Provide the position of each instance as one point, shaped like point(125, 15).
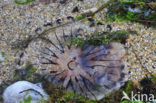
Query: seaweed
point(28, 100)
point(101, 38)
point(133, 10)
point(24, 3)
point(27, 73)
point(126, 101)
point(58, 94)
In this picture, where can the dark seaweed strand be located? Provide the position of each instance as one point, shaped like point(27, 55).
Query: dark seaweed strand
point(32, 90)
point(45, 32)
point(71, 36)
point(64, 35)
point(83, 79)
point(59, 42)
point(46, 39)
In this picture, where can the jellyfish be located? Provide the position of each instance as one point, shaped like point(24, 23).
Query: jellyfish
point(88, 70)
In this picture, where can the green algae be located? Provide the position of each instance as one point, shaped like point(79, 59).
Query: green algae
point(58, 94)
point(118, 12)
point(3, 54)
point(126, 101)
point(24, 3)
point(101, 38)
point(28, 100)
point(29, 73)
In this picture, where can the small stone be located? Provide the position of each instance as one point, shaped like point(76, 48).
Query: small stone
point(100, 23)
point(90, 19)
point(38, 30)
point(76, 9)
point(109, 27)
point(70, 17)
point(63, 1)
point(58, 21)
point(48, 24)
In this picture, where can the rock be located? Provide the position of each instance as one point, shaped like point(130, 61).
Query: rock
point(21, 90)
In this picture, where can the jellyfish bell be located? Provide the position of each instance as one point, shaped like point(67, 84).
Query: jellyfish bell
point(91, 71)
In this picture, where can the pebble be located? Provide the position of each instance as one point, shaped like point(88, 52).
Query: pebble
point(75, 9)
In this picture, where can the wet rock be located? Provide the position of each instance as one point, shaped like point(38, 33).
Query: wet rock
point(21, 90)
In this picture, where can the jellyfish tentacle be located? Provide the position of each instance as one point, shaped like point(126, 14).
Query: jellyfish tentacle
point(87, 50)
point(93, 66)
point(50, 61)
point(85, 84)
point(77, 82)
point(49, 54)
point(105, 63)
point(66, 82)
point(97, 50)
point(84, 47)
point(94, 55)
point(73, 83)
point(54, 54)
point(87, 76)
point(80, 81)
point(59, 41)
point(44, 38)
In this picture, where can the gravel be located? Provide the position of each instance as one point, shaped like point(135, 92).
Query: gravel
point(20, 21)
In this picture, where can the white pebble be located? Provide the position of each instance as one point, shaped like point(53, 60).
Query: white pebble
point(21, 90)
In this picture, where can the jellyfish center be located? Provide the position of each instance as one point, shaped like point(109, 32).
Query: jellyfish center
point(70, 60)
